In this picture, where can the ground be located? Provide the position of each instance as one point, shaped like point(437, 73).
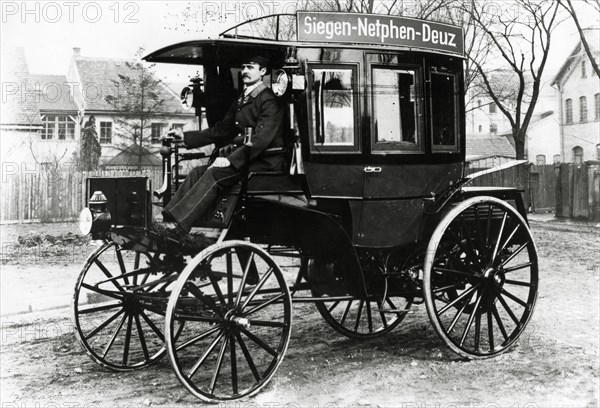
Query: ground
point(555, 364)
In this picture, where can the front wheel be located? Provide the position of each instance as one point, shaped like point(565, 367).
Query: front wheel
point(480, 278)
point(235, 308)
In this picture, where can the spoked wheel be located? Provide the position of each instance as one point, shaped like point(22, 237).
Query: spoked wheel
point(480, 278)
point(364, 319)
point(118, 307)
point(236, 310)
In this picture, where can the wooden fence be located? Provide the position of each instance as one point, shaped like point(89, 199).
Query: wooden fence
point(46, 196)
point(578, 190)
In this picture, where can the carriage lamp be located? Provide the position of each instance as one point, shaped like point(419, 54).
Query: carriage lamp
point(95, 218)
point(280, 82)
point(192, 96)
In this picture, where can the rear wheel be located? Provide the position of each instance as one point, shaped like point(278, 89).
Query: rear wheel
point(118, 307)
point(480, 277)
point(236, 310)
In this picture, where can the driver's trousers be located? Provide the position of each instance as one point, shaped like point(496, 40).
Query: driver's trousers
point(196, 198)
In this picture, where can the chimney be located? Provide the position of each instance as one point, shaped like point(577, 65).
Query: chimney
point(76, 51)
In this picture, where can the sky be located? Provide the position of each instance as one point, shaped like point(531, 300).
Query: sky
point(48, 30)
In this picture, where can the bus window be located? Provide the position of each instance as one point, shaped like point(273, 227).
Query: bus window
point(395, 110)
point(444, 130)
point(333, 109)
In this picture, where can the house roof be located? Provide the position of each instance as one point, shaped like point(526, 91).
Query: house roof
point(19, 105)
point(592, 37)
point(97, 75)
point(55, 93)
point(131, 157)
point(485, 145)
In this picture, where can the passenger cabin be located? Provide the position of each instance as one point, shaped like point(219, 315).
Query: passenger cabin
point(375, 107)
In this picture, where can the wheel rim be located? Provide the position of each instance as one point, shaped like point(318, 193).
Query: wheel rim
point(233, 340)
point(481, 277)
point(117, 311)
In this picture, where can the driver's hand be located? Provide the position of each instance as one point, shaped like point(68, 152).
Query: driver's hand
point(176, 133)
point(221, 162)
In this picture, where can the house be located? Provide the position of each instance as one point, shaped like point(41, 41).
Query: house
point(543, 138)
point(20, 121)
point(94, 78)
point(578, 89)
point(59, 138)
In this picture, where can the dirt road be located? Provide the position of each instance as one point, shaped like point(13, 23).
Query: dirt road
point(555, 364)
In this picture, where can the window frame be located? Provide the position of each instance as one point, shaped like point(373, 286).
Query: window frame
point(583, 110)
point(568, 111)
point(58, 127)
point(356, 147)
point(577, 153)
point(381, 148)
point(156, 140)
point(455, 147)
point(101, 138)
point(540, 160)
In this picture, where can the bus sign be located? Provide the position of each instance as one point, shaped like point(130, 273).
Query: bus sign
point(379, 29)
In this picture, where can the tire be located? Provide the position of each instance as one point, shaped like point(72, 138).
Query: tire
point(480, 278)
point(236, 310)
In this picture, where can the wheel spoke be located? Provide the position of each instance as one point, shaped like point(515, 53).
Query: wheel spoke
point(114, 336)
point(458, 299)
point(369, 318)
point(138, 326)
point(495, 252)
point(108, 275)
point(259, 342)
point(102, 291)
point(264, 304)
point(490, 326)
point(459, 312)
point(445, 288)
point(330, 309)
point(345, 315)
point(471, 317)
point(519, 283)
point(213, 382)
point(358, 314)
point(244, 277)
point(257, 288)
point(127, 340)
point(199, 362)
point(122, 265)
point(153, 326)
point(248, 357)
point(104, 324)
point(477, 331)
point(233, 357)
point(514, 254)
point(508, 310)
point(499, 321)
point(382, 315)
point(198, 338)
point(517, 267)
point(229, 279)
point(510, 236)
point(99, 308)
point(453, 271)
point(513, 297)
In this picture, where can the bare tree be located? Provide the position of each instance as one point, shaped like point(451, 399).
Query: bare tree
point(594, 5)
point(520, 43)
point(425, 9)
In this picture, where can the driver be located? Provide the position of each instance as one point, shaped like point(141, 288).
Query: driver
point(257, 113)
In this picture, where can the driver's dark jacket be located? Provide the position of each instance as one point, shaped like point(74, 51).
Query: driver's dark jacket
point(262, 111)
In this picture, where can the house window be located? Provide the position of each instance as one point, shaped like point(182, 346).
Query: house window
point(479, 103)
point(583, 111)
point(556, 158)
point(177, 126)
point(583, 69)
point(105, 132)
point(395, 110)
point(492, 107)
point(577, 155)
point(597, 106)
point(334, 108)
point(156, 132)
point(568, 111)
point(493, 128)
point(480, 128)
point(60, 127)
point(540, 159)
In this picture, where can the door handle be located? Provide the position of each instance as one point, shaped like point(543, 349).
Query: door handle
point(370, 169)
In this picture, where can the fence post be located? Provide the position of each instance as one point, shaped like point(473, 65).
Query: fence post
point(593, 199)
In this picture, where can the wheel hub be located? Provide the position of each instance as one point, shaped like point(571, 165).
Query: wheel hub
point(132, 305)
point(233, 320)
